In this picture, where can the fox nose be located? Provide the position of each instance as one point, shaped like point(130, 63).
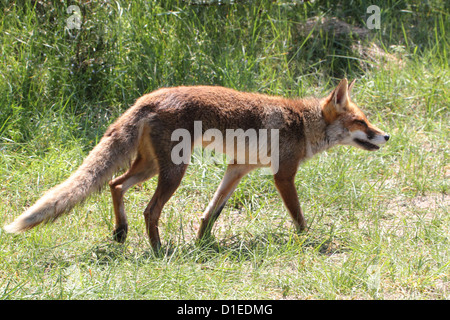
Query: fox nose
point(386, 137)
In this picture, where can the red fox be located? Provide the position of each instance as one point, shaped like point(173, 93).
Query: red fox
point(143, 136)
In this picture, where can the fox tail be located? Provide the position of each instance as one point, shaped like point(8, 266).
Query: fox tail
point(115, 150)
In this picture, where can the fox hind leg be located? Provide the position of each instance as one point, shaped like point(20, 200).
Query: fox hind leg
point(170, 176)
point(141, 170)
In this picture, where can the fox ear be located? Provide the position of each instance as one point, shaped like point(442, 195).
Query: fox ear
point(337, 101)
point(350, 86)
point(340, 96)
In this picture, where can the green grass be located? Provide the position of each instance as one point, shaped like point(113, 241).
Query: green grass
point(378, 222)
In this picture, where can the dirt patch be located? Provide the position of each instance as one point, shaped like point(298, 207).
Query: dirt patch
point(332, 24)
point(426, 204)
point(370, 53)
point(402, 214)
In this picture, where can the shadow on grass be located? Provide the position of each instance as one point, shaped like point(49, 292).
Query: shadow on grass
point(238, 248)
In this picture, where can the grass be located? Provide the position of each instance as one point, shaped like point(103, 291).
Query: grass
point(378, 222)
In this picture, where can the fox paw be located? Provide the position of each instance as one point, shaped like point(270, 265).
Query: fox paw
point(120, 234)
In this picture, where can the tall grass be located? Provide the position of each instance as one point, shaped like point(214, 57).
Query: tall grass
point(378, 222)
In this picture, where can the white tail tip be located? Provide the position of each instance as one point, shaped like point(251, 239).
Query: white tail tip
point(22, 223)
point(12, 228)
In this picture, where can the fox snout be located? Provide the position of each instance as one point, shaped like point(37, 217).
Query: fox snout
point(369, 139)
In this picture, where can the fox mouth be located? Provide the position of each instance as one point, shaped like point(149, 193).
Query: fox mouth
point(366, 144)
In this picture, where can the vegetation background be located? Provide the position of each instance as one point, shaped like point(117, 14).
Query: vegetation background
point(378, 222)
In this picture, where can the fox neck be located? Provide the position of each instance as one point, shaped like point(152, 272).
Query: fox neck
point(319, 135)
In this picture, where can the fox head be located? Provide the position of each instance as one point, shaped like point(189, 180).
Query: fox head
point(346, 123)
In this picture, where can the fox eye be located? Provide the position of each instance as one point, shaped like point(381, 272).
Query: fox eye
point(361, 122)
